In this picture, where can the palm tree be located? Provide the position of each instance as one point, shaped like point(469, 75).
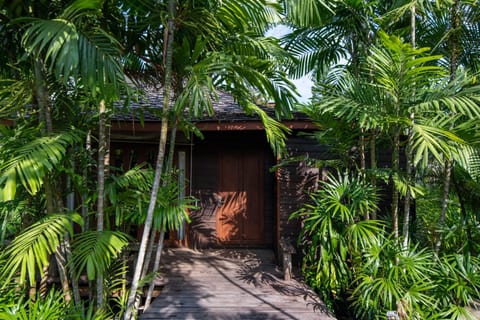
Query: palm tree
point(67, 56)
point(336, 235)
point(61, 45)
point(402, 83)
point(327, 34)
point(451, 29)
point(231, 54)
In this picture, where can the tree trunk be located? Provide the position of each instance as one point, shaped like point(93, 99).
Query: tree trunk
point(408, 149)
point(407, 202)
point(86, 220)
point(395, 194)
point(454, 48)
point(156, 265)
point(373, 163)
point(52, 206)
point(363, 165)
point(101, 190)
point(41, 96)
point(60, 256)
point(443, 212)
point(158, 253)
point(409, 152)
point(159, 163)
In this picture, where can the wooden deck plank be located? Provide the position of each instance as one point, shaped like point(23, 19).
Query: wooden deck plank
point(230, 284)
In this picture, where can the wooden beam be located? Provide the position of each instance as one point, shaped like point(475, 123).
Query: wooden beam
point(131, 126)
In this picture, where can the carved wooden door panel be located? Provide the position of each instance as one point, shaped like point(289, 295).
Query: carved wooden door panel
point(240, 198)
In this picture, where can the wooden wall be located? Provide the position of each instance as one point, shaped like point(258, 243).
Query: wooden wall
point(295, 180)
point(206, 155)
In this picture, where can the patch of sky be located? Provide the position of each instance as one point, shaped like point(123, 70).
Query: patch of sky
point(304, 84)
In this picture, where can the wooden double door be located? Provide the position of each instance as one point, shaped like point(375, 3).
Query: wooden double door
point(240, 198)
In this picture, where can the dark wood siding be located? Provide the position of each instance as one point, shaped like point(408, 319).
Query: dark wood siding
point(295, 180)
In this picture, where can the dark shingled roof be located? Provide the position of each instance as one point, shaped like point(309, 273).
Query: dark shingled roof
point(225, 109)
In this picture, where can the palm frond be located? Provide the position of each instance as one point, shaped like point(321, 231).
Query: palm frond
point(172, 211)
point(26, 162)
point(468, 158)
point(29, 252)
point(15, 96)
point(53, 306)
point(309, 12)
point(433, 140)
point(93, 251)
point(275, 131)
point(258, 15)
point(71, 52)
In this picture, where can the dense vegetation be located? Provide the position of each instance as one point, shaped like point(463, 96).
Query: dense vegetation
point(393, 227)
point(67, 68)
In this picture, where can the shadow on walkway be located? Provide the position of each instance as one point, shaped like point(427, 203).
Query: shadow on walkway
point(230, 284)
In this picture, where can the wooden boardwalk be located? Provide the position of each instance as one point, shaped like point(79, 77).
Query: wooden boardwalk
point(230, 284)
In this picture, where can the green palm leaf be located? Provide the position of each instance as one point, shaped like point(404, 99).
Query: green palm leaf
point(93, 251)
point(29, 252)
point(27, 162)
point(275, 131)
point(52, 306)
point(309, 12)
point(73, 52)
point(433, 140)
point(253, 14)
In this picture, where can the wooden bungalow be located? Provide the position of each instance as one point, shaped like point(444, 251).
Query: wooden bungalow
point(241, 201)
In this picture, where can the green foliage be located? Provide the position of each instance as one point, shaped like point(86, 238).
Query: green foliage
point(52, 306)
point(26, 159)
point(128, 193)
point(422, 96)
point(29, 252)
point(350, 259)
point(276, 131)
point(75, 48)
point(389, 278)
point(11, 213)
point(14, 96)
point(457, 285)
point(88, 312)
point(334, 232)
point(116, 284)
point(171, 211)
point(94, 251)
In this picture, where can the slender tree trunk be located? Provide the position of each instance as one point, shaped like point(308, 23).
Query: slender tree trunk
point(454, 48)
point(363, 165)
point(41, 96)
point(146, 263)
point(68, 251)
point(86, 220)
point(158, 253)
point(159, 163)
point(52, 206)
point(153, 233)
point(101, 189)
point(395, 193)
point(373, 163)
point(443, 212)
point(407, 202)
point(409, 151)
point(156, 265)
point(43, 288)
point(463, 210)
point(60, 256)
